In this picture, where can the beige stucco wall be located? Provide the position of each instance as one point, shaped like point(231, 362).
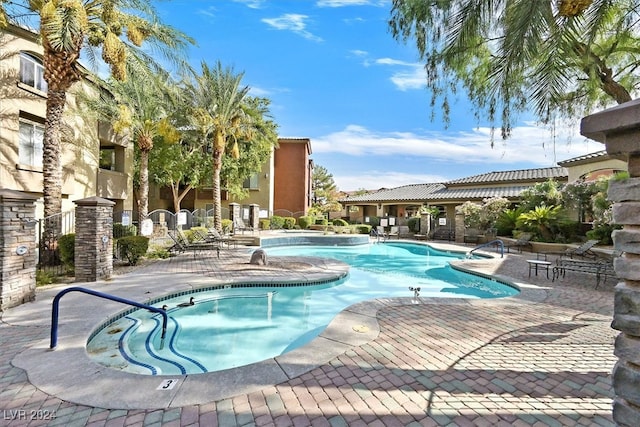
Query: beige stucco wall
point(578, 171)
point(80, 142)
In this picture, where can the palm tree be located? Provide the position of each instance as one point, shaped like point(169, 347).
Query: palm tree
point(556, 58)
point(219, 116)
point(141, 107)
point(67, 27)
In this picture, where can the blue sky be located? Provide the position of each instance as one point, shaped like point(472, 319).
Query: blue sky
point(335, 75)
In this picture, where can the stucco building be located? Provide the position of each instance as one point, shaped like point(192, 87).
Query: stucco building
point(94, 161)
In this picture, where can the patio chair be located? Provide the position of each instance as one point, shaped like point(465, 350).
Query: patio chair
point(584, 250)
point(214, 235)
point(238, 224)
point(522, 242)
point(394, 232)
point(184, 245)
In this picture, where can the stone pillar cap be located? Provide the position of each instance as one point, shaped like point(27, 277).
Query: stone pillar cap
point(618, 119)
point(94, 201)
point(5, 193)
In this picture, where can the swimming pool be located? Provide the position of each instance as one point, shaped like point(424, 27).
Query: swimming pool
point(236, 326)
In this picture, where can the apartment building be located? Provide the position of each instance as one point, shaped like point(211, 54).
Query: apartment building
point(95, 161)
point(282, 187)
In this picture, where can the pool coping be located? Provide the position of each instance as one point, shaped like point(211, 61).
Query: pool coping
point(83, 381)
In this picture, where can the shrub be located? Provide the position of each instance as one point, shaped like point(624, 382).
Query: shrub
point(158, 252)
point(374, 221)
point(265, 224)
point(603, 233)
point(44, 278)
point(340, 222)
point(120, 230)
point(305, 221)
point(321, 221)
point(133, 248)
point(67, 246)
point(277, 222)
point(227, 224)
point(289, 222)
point(363, 228)
point(195, 233)
point(414, 224)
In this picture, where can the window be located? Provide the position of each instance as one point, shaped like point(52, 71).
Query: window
point(32, 72)
point(251, 182)
point(107, 159)
point(30, 149)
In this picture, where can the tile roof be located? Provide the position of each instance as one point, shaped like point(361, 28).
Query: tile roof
point(540, 174)
point(417, 192)
point(586, 158)
point(465, 194)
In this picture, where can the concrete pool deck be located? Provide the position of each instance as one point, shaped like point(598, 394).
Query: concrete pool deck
point(542, 357)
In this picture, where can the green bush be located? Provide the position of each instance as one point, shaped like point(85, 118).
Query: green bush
point(277, 222)
point(374, 221)
point(414, 224)
point(265, 224)
point(603, 233)
point(44, 278)
point(159, 253)
point(195, 234)
point(305, 221)
point(363, 228)
point(67, 246)
point(289, 222)
point(133, 248)
point(321, 221)
point(340, 222)
point(227, 224)
point(120, 230)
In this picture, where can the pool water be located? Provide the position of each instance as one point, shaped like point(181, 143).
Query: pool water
point(236, 326)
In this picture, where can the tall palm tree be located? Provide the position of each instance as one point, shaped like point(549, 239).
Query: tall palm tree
point(118, 27)
point(141, 106)
point(219, 116)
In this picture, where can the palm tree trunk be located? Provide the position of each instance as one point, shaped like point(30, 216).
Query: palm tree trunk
point(143, 202)
point(217, 204)
point(52, 164)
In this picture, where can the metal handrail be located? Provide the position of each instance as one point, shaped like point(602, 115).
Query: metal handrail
point(498, 242)
point(56, 304)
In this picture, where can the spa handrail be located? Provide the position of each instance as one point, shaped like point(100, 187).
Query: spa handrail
point(498, 242)
point(56, 304)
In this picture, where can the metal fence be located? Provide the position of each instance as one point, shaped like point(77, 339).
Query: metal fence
point(48, 232)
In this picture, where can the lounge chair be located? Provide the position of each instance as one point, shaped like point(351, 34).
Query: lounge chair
point(393, 232)
point(182, 244)
point(214, 236)
point(584, 250)
point(522, 242)
point(239, 225)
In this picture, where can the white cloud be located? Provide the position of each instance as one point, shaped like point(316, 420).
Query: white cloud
point(292, 22)
point(529, 144)
point(343, 3)
point(411, 76)
point(253, 4)
point(373, 180)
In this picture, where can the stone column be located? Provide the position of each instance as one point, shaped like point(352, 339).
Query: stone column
point(18, 253)
point(619, 129)
point(254, 216)
point(459, 228)
point(94, 239)
point(425, 224)
point(234, 211)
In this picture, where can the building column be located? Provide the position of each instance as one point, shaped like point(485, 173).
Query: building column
point(18, 251)
point(619, 129)
point(94, 239)
point(254, 216)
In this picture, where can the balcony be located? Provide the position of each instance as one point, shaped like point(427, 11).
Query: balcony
point(112, 185)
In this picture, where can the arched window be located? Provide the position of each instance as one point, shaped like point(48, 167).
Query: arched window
point(32, 71)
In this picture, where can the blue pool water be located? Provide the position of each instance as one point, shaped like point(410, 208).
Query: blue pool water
point(233, 327)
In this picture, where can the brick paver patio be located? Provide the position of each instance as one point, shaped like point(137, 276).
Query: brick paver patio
point(479, 363)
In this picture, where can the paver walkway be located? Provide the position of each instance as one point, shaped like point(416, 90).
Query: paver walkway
point(484, 363)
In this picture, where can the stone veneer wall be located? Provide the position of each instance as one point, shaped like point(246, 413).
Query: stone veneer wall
point(619, 129)
point(18, 253)
point(94, 239)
